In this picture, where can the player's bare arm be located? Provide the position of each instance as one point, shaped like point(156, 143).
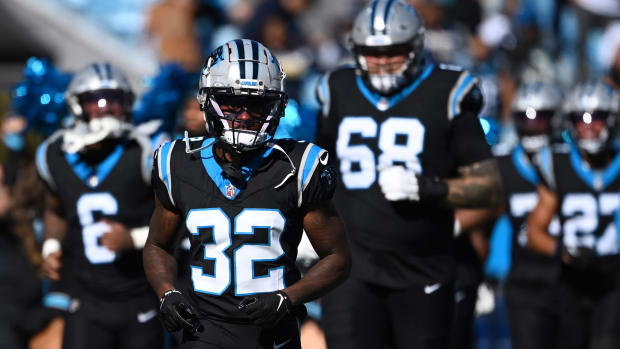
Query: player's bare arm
point(472, 218)
point(478, 186)
point(159, 264)
point(538, 222)
point(160, 267)
point(325, 231)
point(55, 228)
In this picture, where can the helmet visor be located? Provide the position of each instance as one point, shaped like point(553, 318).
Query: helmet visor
point(589, 125)
point(533, 122)
point(100, 103)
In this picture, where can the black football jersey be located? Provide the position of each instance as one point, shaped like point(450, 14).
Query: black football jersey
point(117, 189)
point(520, 180)
point(587, 199)
point(243, 236)
point(423, 128)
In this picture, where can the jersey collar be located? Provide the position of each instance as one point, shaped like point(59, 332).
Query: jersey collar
point(524, 166)
point(384, 103)
point(92, 176)
point(214, 170)
point(597, 180)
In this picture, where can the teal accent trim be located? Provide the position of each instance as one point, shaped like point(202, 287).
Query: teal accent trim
point(375, 98)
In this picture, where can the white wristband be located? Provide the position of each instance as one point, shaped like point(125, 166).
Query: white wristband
point(138, 236)
point(50, 246)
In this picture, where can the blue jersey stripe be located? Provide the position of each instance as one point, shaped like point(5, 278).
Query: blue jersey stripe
point(163, 163)
point(312, 157)
point(459, 91)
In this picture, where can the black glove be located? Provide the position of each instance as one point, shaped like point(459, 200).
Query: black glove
point(266, 309)
point(432, 188)
point(176, 313)
point(579, 257)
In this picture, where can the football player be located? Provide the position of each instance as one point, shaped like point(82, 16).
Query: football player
point(530, 287)
point(243, 199)
point(581, 186)
point(98, 204)
point(410, 149)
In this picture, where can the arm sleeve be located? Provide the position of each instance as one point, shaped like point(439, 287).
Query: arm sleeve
point(161, 178)
point(467, 141)
point(316, 180)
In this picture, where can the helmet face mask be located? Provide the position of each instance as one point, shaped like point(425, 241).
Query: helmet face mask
point(387, 42)
point(241, 92)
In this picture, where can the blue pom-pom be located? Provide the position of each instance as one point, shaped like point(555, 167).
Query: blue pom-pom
point(39, 97)
point(167, 92)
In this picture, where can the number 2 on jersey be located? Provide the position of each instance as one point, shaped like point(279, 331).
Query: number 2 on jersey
point(410, 129)
point(243, 257)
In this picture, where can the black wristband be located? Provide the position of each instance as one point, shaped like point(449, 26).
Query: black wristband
point(433, 188)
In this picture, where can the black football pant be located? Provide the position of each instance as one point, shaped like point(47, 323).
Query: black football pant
point(214, 334)
point(464, 315)
point(360, 315)
point(532, 325)
point(593, 319)
point(102, 324)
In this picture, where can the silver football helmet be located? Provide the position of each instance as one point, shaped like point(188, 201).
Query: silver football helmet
point(241, 92)
point(532, 111)
point(100, 100)
point(591, 110)
point(385, 28)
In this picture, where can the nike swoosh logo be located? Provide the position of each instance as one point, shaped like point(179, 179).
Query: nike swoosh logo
point(459, 296)
point(280, 304)
point(146, 316)
point(278, 346)
point(428, 289)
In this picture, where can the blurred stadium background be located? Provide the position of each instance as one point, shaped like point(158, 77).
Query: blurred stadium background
point(161, 44)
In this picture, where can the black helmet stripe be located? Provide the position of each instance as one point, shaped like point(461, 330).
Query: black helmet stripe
point(108, 70)
point(386, 14)
point(98, 70)
point(241, 58)
point(255, 59)
point(372, 17)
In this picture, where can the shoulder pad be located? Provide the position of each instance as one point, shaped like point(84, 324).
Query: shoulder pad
point(544, 163)
point(146, 159)
point(502, 149)
point(323, 93)
point(464, 84)
point(163, 156)
point(41, 160)
point(313, 155)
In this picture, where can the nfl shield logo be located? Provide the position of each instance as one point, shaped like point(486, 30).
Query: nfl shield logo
point(230, 191)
